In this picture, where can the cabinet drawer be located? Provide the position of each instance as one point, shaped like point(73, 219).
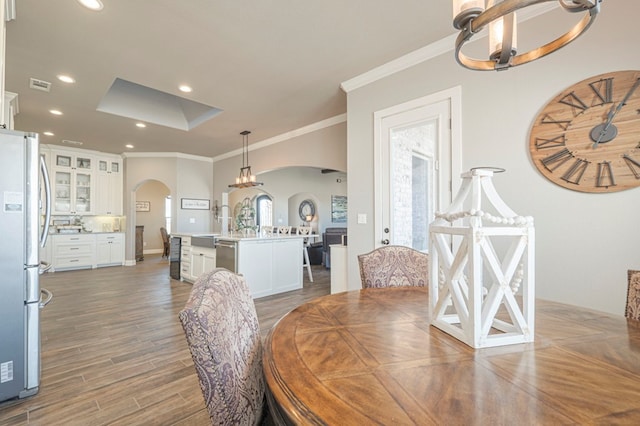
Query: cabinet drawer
point(74, 238)
point(185, 256)
point(74, 262)
point(74, 249)
point(186, 241)
point(106, 238)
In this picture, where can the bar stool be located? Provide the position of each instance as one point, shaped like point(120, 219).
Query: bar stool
point(305, 230)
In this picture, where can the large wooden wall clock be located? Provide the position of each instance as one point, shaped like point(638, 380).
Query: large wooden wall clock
point(587, 138)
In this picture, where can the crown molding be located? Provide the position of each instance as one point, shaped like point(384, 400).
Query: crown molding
point(166, 155)
point(286, 136)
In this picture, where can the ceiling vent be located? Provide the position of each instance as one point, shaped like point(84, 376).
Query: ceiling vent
point(34, 83)
point(68, 142)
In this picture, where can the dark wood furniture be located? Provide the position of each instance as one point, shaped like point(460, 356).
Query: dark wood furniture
point(371, 357)
point(139, 243)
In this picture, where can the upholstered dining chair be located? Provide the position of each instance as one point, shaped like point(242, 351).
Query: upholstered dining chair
point(394, 266)
point(632, 310)
point(221, 327)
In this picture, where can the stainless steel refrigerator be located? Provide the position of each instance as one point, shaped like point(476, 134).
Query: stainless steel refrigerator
point(24, 221)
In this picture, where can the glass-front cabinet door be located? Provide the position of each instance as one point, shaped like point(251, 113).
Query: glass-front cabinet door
point(62, 192)
point(72, 184)
point(83, 193)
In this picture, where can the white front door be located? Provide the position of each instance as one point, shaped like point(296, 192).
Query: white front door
point(413, 173)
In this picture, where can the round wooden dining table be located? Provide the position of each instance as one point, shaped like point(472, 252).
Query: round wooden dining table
point(371, 357)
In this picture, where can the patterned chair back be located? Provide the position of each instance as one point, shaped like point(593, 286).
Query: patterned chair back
point(267, 230)
point(632, 310)
point(221, 326)
point(394, 266)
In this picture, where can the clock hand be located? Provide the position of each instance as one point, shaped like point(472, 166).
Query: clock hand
point(614, 111)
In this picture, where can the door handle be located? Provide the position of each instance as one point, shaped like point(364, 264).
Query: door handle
point(385, 242)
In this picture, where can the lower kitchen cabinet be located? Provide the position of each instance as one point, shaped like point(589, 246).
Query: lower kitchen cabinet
point(109, 249)
point(74, 251)
point(78, 251)
point(203, 259)
point(270, 265)
point(185, 259)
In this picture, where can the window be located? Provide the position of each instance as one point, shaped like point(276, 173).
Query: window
point(167, 214)
point(264, 211)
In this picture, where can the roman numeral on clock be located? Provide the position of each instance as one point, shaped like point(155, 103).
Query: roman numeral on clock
point(633, 165)
point(557, 142)
point(575, 172)
point(605, 175)
point(576, 104)
point(557, 159)
point(603, 89)
point(563, 124)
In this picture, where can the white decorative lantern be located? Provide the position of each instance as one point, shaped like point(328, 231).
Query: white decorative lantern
point(482, 283)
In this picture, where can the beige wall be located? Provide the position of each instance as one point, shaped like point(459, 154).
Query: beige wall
point(155, 193)
point(585, 242)
point(325, 148)
point(185, 177)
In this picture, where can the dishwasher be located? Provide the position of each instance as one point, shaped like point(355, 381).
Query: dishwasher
point(227, 255)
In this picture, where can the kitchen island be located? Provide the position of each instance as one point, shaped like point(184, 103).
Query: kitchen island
point(270, 265)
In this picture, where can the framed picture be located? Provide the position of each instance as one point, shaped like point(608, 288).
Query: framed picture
point(338, 208)
point(143, 206)
point(194, 204)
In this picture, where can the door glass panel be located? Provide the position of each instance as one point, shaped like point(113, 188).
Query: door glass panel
point(115, 167)
point(102, 166)
point(83, 192)
point(83, 163)
point(62, 192)
point(412, 183)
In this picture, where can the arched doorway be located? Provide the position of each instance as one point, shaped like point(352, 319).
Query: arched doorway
point(153, 210)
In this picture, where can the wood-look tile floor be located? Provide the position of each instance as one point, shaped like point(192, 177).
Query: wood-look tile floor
point(113, 349)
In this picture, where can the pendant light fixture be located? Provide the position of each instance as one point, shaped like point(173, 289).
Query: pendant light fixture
point(471, 16)
point(246, 179)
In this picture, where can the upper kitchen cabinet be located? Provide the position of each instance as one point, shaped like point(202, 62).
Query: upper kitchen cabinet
point(109, 185)
point(72, 179)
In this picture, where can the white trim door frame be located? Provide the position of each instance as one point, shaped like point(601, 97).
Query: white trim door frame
point(442, 110)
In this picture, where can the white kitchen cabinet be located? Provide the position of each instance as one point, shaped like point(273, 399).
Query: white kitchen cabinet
point(110, 249)
point(286, 274)
point(109, 186)
point(74, 251)
point(203, 259)
point(255, 263)
point(185, 259)
point(72, 182)
point(270, 265)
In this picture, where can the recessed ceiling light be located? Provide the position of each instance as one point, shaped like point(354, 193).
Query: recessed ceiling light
point(66, 78)
point(55, 112)
point(141, 125)
point(128, 146)
point(47, 133)
point(92, 4)
point(184, 88)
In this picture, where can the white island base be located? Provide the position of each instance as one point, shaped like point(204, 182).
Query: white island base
point(270, 265)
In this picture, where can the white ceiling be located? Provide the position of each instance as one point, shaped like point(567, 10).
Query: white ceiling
point(271, 66)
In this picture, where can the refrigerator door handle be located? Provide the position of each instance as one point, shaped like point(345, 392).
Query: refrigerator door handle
point(48, 296)
point(44, 267)
point(47, 195)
